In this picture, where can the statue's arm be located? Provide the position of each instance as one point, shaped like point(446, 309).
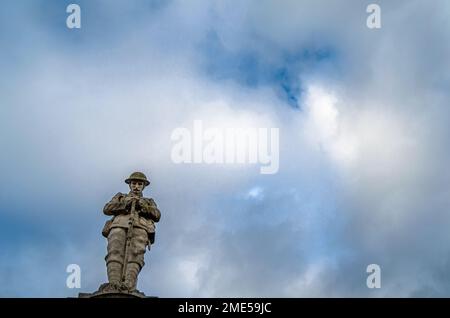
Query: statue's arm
point(148, 207)
point(115, 206)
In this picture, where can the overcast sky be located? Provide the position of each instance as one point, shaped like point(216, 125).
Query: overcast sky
point(363, 116)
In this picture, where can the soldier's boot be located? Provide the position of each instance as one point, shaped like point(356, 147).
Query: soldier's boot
point(114, 270)
point(131, 275)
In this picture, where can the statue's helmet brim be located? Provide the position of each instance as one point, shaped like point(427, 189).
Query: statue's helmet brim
point(137, 176)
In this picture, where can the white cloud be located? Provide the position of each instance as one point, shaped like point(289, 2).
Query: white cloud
point(363, 161)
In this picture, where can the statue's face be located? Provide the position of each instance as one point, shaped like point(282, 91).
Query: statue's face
point(136, 186)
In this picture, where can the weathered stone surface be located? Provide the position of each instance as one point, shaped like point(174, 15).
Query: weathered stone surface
point(129, 232)
point(99, 294)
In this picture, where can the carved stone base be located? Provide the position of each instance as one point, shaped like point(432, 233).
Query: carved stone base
point(105, 291)
point(113, 295)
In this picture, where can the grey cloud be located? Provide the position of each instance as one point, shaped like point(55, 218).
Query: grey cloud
point(319, 224)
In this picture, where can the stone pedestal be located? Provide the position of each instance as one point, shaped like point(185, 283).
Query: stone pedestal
point(105, 291)
point(114, 295)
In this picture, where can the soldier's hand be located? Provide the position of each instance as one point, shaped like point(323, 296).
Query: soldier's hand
point(129, 200)
point(142, 203)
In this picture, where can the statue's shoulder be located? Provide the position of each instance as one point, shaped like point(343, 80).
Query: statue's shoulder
point(150, 200)
point(119, 195)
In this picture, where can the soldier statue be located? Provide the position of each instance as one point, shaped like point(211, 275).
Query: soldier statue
point(129, 232)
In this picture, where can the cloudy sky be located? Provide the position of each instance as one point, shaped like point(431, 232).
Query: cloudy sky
point(363, 116)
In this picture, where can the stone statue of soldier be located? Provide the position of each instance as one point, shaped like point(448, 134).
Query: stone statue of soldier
point(129, 232)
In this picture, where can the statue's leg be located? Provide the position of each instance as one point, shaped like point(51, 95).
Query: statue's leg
point(115, 257)
point(136, 257)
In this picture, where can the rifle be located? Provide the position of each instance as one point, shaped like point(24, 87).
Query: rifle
point(129, 237)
